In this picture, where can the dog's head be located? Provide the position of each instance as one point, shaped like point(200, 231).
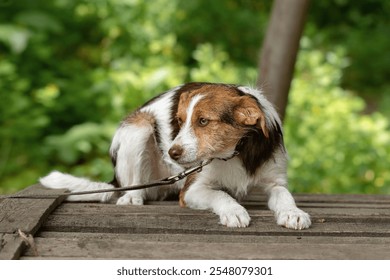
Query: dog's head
point(217, 120)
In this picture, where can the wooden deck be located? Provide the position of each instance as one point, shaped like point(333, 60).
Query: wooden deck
point(344, 227)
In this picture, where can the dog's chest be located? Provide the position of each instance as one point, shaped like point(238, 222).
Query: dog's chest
point(229, 175)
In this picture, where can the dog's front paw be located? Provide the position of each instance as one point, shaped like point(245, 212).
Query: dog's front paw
point(236, 216)
point(293, 218)
point(129, 199)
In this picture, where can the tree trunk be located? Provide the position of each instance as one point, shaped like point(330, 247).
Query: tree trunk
point(280, 49)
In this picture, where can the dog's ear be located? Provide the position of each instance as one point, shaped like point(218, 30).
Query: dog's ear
point(249, 113)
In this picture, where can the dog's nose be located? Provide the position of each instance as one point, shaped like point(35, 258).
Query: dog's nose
point(175, 152)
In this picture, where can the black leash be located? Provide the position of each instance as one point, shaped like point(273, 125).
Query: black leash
point(166, 181)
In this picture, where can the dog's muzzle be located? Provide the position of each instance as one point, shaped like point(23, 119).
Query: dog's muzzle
point(175, 152)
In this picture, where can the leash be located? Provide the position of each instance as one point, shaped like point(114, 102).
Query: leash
point(166, 181)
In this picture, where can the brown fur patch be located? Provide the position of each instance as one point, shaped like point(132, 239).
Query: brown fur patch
point(140, 119)
point(249, 113)
point(189, 181)
point(208, 90)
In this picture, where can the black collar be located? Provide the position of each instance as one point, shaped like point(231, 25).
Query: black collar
point(235, 153)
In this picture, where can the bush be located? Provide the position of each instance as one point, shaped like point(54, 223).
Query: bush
point(333, 147)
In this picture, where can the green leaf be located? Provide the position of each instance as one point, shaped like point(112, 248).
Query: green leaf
point(15, 37)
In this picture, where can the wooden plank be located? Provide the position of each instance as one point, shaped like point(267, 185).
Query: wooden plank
point(208, 224)
point(26, 214)
point(111, 209)
point(343, 198)
point(216, 238)
point(11, 246)
point(127, 249)
point(108, 209)
point(344, 205)
point(257, 195)
point(319, 215)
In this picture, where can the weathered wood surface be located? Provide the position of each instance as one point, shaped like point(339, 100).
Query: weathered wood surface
point(24, 214)
point(344, 227)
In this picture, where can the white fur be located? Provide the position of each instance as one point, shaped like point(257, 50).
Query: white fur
point(206, 192)
point(159, 110)
point(58, 180)
point(139, 159)
point(186, 137)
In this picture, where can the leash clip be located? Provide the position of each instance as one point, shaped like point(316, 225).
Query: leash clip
point(189, 171)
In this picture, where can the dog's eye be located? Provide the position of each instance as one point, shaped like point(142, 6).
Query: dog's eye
point(203, 122)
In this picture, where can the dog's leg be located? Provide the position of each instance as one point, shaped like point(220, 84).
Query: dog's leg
point(273, 178)
point(133, 162)
point(230, 212)
point(287, 214)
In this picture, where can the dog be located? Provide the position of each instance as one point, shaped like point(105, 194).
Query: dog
point(235, 126)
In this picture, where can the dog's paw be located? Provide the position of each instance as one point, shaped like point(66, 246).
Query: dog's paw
point(236, 216)
point(293, 218)
point(129, 199)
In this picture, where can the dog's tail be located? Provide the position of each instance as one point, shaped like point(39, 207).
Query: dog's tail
point(58, 180)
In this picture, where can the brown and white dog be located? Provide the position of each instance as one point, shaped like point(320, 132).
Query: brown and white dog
point(234, 125)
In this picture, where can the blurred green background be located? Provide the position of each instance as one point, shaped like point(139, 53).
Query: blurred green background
point(70, 70)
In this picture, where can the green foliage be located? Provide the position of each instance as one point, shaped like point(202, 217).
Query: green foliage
point(85, 147)
point(361, 27)
point(214, 65)
point(235, 26)
point(333, 147)
point(70, 70)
